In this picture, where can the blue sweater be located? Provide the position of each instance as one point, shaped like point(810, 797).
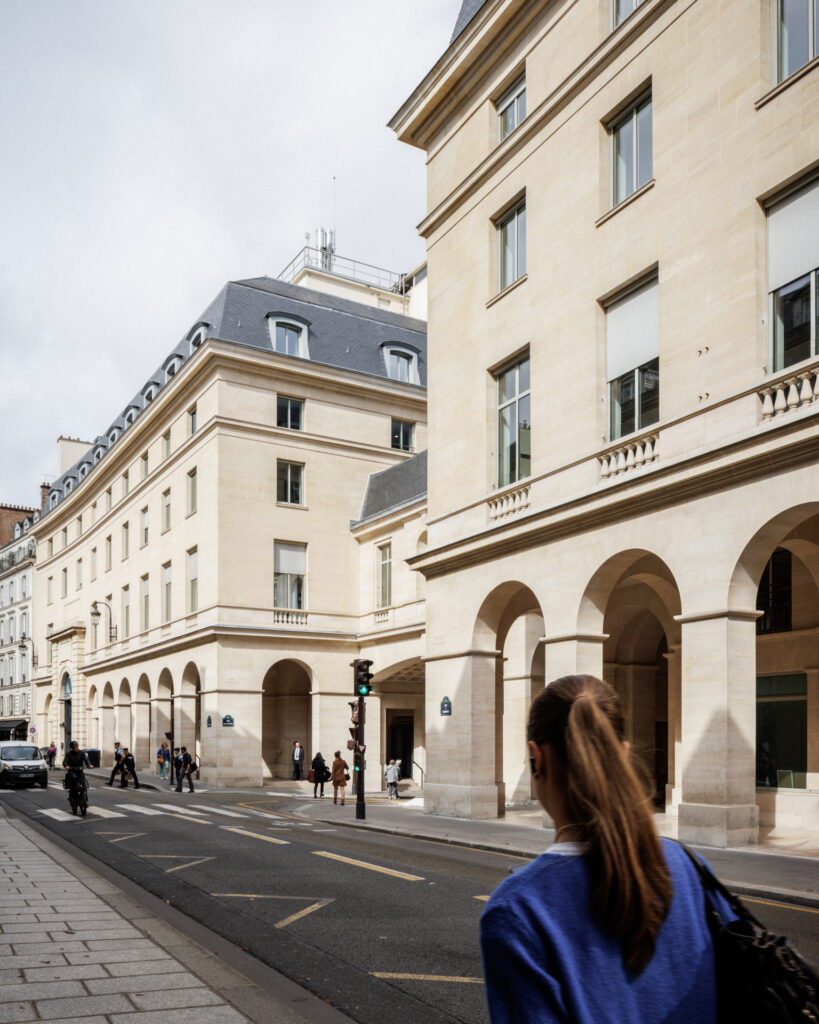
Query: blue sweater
point(546, 960)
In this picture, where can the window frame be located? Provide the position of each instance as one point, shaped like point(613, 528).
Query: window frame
point(812, 39)
point(630, 113)
point(166, 510)
point(192, 559)
point(410, 447)
point(167, 592)
point(511, 99)
point(291, 323)
point(144, 602)
point(384, 575)
point(502, 404)
point(286, 579)
point(192, 491)
point(636, 375)
point(396, 349)
point(774, 319)
point(290, 466)
point(514, 214)
point(291, 403)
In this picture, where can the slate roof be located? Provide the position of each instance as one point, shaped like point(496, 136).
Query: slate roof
point(341, 333)
point(399, 485)
point(469, 8)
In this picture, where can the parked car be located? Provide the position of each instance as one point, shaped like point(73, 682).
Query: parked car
point(21, 764)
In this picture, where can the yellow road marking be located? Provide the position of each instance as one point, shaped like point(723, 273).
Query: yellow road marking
point(370, 867)
point(258, 896)
point(426, 977)
point(254, 835)
point(190, 864)
point(303, 913)
point(129, 835)
point(483, 899)
point(187, 817)
point(783, 906)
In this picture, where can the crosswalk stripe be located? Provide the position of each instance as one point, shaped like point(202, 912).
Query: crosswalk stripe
point(227, 813)
point(103, 812)
point(140, 809)
point(180, 808)
point(58, 815)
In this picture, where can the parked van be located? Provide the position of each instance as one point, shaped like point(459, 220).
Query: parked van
point(21, 764)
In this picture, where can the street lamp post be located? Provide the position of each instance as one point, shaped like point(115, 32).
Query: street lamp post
point(22, 647)
point(96, 614)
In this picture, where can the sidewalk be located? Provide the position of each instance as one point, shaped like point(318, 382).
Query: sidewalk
point(78, 949)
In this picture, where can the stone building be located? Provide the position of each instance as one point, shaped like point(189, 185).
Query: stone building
point(16, 579)
point(196, 570)
point(622, 238)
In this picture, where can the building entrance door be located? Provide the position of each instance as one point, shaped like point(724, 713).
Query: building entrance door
point(401, 740)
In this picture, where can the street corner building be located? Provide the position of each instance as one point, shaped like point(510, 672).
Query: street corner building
point(197, 571)
point(622, 248)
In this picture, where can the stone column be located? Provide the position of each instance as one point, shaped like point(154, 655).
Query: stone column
point(673, 790)
point(184, 732)
point(812, 781)
point(462, 775)
point(718, 805)
point(144, 756)
point(575, 654)
point(160, 724)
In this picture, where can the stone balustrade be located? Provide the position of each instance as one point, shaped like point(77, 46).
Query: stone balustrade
point(288, 617)
point(382, 616)
point(633, 455)
point(789, 393)
point(509, 503)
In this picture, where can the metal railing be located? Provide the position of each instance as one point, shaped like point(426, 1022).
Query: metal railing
point(20, 555)
point(311, 258)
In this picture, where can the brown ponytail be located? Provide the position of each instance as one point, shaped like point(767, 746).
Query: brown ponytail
point(580, 718)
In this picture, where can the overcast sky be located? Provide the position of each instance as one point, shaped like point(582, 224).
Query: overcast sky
point(155, 149)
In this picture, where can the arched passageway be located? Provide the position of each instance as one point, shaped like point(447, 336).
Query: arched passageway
point(142, 724)
point(108, 724)
point(285, 717)
point(93, 717)
point(124, 725)
point(401, 723)
point(187, 711)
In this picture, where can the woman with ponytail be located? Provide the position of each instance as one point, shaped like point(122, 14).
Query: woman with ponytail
point(609, 924)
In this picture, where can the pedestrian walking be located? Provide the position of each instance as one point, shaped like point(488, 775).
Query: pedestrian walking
point(176, 764)
point(392, 773)
point(51, 754)
point(340, 776)
point(128, 768)
point(117, 763)
point(163, 757)
point(185, 770)
point(298, 760)
point(320, 774)
point(607, 925)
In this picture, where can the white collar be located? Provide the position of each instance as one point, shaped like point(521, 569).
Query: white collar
point(568, 848)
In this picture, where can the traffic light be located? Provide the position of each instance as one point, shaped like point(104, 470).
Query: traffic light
point(362, 676)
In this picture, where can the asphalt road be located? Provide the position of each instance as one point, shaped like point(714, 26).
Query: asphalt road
point(383, 927)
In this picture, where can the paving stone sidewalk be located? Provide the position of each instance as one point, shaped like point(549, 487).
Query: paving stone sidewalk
point(75, 949)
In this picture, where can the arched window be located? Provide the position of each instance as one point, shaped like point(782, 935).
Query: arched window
point(288, 336)
point(52, 499)
point(197, 334)
point(402, 363)
point(172, 367)
point(113, 435)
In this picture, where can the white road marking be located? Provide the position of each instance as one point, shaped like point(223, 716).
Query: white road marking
point(58, 815)
point(180, 807)
point(139, 810)
point(227, 813)
point(254, 835)
point(103, 812)
point(369, 867)
point(325, 830)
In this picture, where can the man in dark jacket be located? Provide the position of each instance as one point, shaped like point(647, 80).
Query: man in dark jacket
point(128, 765)
point(117, 763)
point(298, 760)
point(185, 771)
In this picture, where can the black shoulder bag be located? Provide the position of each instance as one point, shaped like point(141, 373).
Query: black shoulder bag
point(760, 978)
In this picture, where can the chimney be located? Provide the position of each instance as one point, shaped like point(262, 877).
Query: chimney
point(44, 489)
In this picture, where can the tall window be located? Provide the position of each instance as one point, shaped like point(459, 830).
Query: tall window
point(144, 464)
point(385, 575)
point(144, 527)
point(514, 423)
point(50, 547)
point(401, 435)
point(290, 575)
point(192, 491)
point(49, 589)
point(65, 536)
point(289, 482)
point(798, 34)
point(126, 612)
point(782, 731)
point(108, 549)
point(289, 412)
point(126, 537)
point(93, 563)
point(63, 588)
point(773, 597)
point(512, 242)
point(631, 151)
point(126, 483)
point(166, 444)
point(166, 592)
point(145, 603)
point(511, 109)
point(402, 364)
point(78, 580)
point(288, 338)
point(193, 580)
point(632, 361)
point(166, 510)
point(79, 526)
point(793, 279)
point(192, 420)
point(109, 498)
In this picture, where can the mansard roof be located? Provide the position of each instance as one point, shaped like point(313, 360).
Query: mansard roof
point(469, 8)
point(395, 487)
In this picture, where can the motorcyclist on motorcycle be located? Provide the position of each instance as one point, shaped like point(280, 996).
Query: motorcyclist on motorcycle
point(74, 762)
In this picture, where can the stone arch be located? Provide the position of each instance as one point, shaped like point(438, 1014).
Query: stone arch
point(123, 711)
point(286, 716)
point(754, 556)
point(92, 707)
point(421, 546)
point(401, 722)
point(187, 707)
point(107, 721)
point(162, 711)
point(636, 564)
point(498, 610)
point(47, 731)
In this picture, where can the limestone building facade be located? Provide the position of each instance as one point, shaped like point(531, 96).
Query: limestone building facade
point(16, 644)
point(196, 570)
point(622, 224)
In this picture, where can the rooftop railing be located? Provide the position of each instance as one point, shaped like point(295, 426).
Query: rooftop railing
point(311, 258)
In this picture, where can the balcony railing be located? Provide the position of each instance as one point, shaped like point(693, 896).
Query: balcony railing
point(323, 260)
point(13, 558)
point(634, 454)
point(509, 503)
point(789, 393)
point(289, 617)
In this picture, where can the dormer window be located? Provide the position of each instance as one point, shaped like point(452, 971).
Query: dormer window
point(113, 436)
point(98, 455)
point(402, 364)
point(172, 367)
point(53, 499)
point(130, 416)
point(149, 395)
point(288, 337)
point(67, 486)
point(197, 334)
point(83, 471)
point(17, 531)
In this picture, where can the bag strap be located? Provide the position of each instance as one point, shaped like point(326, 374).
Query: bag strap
point(711, 884)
